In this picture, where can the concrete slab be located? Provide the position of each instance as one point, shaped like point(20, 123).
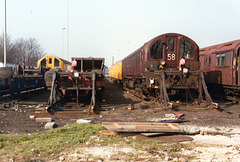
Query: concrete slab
point(49, 125)
point(83, 121)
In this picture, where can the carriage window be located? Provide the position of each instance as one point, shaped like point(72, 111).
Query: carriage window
point(217, 59)
point(222, 59)
point(209, 61)
point(56, 62)
point(227, 59)
point(205, 61)
point(43, 62)
point(186, 49)
point(157, 50)
point(171, 45)
point(50, 60)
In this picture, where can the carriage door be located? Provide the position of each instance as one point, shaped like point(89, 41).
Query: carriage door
point(171, 52)
point(235, 66)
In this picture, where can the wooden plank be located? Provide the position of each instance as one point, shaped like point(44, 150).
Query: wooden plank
point(40, 113)
point(138, 123)
point(151, 127)
point(117, 125)
point(109, 133)
point(172, 126)
point(43, 119)
point(151, 134)
point(141, 127)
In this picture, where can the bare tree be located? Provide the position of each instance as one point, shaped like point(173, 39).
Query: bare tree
point(33, 52)
point(22, 51)
point(10, 49)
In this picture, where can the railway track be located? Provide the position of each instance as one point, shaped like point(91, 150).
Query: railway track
point(71, 108)
point(175, 100)
point(6, 96)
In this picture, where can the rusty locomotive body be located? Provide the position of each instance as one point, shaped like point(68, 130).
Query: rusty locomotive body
point(165, 65)
point(221, 65)
point(86, 77)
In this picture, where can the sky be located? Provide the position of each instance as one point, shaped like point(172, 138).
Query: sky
point(116, 28)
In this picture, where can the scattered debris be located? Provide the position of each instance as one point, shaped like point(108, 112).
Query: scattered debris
point(83, 121)
point(131, 107)
point(32, 117)
point(50, 125)
point(43, 119)
point(144, 106)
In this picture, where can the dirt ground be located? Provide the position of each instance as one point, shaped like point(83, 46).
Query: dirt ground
point(15, 119)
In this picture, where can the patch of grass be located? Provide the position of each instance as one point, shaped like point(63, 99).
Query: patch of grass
point(49, 142)
point(81, 135)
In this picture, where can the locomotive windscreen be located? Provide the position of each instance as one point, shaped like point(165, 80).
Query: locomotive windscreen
point(157, 50)
point(186, 49)
point(43, 62)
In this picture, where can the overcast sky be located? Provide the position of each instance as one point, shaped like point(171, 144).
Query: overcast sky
point(107, 28)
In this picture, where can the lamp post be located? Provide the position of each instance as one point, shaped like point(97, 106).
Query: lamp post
point(63, 40)
point(68, 30)
point(4, 35)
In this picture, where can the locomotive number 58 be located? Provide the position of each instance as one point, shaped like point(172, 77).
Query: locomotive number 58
point(171, 56)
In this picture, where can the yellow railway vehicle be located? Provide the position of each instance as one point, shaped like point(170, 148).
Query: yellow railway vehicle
point(53, 62)
point(116, 71)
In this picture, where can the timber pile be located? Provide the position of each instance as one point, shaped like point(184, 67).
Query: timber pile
point(165, 132)
point(142, 127)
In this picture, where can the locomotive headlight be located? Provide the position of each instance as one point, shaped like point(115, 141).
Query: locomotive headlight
point(76, 75)
point(162, 62)
point(185, 70)
point(151, 81)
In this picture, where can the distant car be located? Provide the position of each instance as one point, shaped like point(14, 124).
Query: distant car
point(53, 62)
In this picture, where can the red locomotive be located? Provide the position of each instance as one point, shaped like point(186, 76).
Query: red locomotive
point(221, 64)
point(167, 64)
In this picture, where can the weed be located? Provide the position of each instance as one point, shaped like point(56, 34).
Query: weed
point(217, 129)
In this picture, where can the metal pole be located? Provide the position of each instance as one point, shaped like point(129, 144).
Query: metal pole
point(5, 31)
point(68, 31)
point(63, 40)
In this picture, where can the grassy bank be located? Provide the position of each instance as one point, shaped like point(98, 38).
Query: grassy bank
point(53, 142)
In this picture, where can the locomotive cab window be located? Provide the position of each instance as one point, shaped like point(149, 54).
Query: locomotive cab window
point(205, 61)
point(43, 62)
point(157, 50)
point(186, 49)
point(218, 60)
point(50, 60)
point(209, 61)
point(56, 62)
point(222, 60)
point(171, 45)
point(227, 60)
